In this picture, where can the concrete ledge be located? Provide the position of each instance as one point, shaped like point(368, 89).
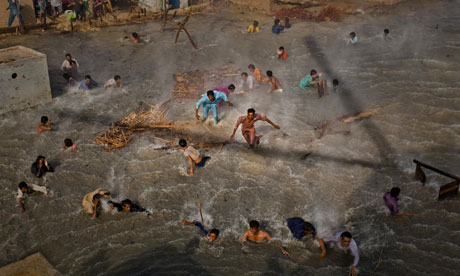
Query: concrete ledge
point(34, 265)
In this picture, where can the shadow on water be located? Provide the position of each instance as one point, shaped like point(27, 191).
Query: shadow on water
point(85, 116)
point(162, 260)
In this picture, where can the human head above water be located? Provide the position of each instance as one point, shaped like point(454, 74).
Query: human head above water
point(40, 157)
point(308, 228)
point(23, 186)
point(254, 224)
point(335, 82)
point(182, 143)
point(352, 34)
point(313, 73)
point(44, 119)
point(213, 234)
point(255, 23)
point(277, 21)
point(281, 48)
point(251, 67)
point(386, 31)
point(68, 57)
point(270, 73)
point(231, 87)
point(345, 238)
point(395, 192)
point(126, 205)
point(68, 142)
point(210, 95)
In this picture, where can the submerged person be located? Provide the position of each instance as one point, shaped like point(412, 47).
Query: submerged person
point(344, 241)
point(257, 74)
point(92, 200)
point(313, 78)
point(15, 10)
point(25, 189)
point(72, 76)
point(193, 156)
point(247, 82)
point(386, 35)
point(127, 206)
point(277, 27)
point(300, 228)
point(282, 53)
point(352, 39)
point(68, 145)
point(209, 102)
point(115, 82)
point(226, 89)
point(254, 27)
point(210, 235)
point(256, 235)
point(88, 83)
point(248, 129)
point(135, 37)
point(65, 66)
point(391, 199)
point(335, 85)
point(45, 125)
point(276, 86)
point(40, 167)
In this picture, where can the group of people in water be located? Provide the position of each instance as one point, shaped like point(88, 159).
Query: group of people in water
point(210, 102)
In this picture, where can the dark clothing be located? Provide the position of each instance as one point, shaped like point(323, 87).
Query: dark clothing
point(13, 7)
point(134, 208)
point(80, 10)
point(203, 161)
point(296, 226)
point(39, 172)
point(276, 29)
point(199, 225)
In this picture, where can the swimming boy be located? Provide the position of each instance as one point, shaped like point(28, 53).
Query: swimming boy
point(25, 189)
point(113, 83)
point(193, 156)
point(277, 27)
point(91, 201)
point(257, 74)
point(312, 79)
point(88, 83)
point(391, 199)
point(254, 27)
point(135, 37)
point(210, 235)
point(41, 166)
point(45, 124)
point(352, 39)
point(344, 241)
point(247, 81)
point(256, 235)
point(300, 228)
point(248, 130)
point(276, 86)
point(209, 102)
point(127, 206)
point(68, 145)
point(282, 53)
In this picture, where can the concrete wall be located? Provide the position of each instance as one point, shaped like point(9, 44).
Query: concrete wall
point(24, 80)
point(156, 5)
point(265, 5)
point(27, 12)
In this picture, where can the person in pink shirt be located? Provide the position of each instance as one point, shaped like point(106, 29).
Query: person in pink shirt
point(248, 130)
point(226, 89)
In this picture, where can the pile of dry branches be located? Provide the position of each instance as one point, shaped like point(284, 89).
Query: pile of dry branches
point(120, 133)
point(191, 85)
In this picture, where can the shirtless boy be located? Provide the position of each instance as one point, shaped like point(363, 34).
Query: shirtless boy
point(256, 235)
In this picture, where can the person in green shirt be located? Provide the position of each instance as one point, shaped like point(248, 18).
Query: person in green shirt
point(313, 78)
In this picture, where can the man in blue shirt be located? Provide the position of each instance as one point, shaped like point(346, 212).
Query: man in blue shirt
point(277, 27)
point(209, 102)
point(88, 83)
point(210, 235)
point(13, 7)
point(300, 228)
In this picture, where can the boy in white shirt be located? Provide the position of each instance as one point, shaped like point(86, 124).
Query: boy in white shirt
point(193, 156)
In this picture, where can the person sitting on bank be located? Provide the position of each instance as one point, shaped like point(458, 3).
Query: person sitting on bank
point(45, 124)
point(256, 235)
point(352, 39)
point(91, 201)
point(391, 199)
point(300, 228)
point(41, 166)
point(135, 37)
point(277, 27)
point(88, 83)
point(127, 206)
point(115, 82)
point(282, 54)
point(254, 27)
point(25, 189)
point(210, 235)
point(68, 145)
point(344, 241)
point(313, 78)
point(193, 156)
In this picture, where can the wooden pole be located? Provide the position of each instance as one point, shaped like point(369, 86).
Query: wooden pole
point(436, 170)
point(189, 38)
point(177, 34)
point(201, 213)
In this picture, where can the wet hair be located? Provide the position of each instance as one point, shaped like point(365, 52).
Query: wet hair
point(395, 191)
point(68, 142)
point(386, 31)
point(286, 20)
point(346, 234)
point(68, 55)
point(72, 62)
point(353, 34)
point(255, 22)
point(39, 157)
point(251, 66)
point(244, 74)
point(126, 202)
point(277, 21)
point(214, 231)
point(117, 77)
point(96, 196)
point(87, 77)
point(309, 227)
point(313, 72)
point(135, 35)
point(44, 119)
point(210, 93)
point(335, 82)
point(254, 224)
point(281, 48)
point(231, 87)
point(270, 73)
point(182, 143)
point(251, 110)
point(22, 185)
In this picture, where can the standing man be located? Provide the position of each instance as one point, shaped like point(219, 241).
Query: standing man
point(209, 102)
point(391, 199)
point(344, 241)
point(248, 130)
point(15, 10)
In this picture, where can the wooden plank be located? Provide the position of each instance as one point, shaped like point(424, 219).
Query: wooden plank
point(449, 189)
point(437, 170)
point(420, 175)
